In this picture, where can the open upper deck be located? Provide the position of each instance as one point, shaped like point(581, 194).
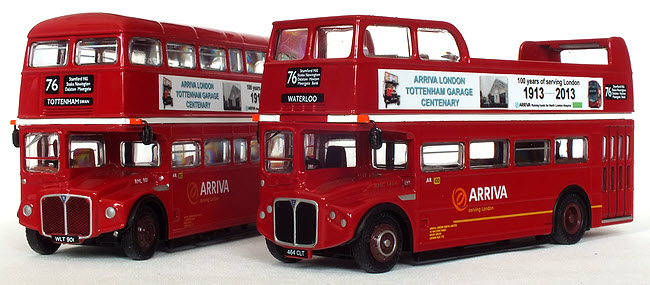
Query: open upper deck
point(352, 65)
point(104, 65)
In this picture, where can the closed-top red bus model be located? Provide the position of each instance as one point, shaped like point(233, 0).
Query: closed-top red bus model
point(382, 135)
point(134, 131)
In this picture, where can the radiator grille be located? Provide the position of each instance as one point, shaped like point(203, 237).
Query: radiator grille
point(66, 215)
point(296, 222)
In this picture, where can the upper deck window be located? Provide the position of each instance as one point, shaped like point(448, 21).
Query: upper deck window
point(255, 61)
point(387, 41)
point(96, 51)
point(181, 55)
point(291, 44)
point(212, 58)
point(437, 44)
point(145, 51)
point(236, 60)
point(333, 42)
point(51, 53)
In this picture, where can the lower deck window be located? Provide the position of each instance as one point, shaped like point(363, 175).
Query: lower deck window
point(570, 150)
point(442, 156)
point(488, 154)
point(217, 152)
point(532, 152)
point(185, 154)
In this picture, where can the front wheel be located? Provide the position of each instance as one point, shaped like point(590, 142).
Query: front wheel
point(39, 243)
point(278, 252)
point(140, 240)
point(379, 246)
point(569, 220)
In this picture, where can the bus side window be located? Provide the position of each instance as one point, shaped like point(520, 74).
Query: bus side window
point(180, 55)
point(388, 41)
point(240, 148)
point(333, 42)
point(442, 156)
point(212, 58)
point(488, 154)
point(255, 62)
point(437, 44)
point(217, 152)
point(570, 150)
point(185, 154)
point(532, 152)
point(255, 150)
point(236, 60)
point(145, 51)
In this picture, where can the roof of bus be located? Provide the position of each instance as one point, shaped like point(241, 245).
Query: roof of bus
point(103, 23)
point(369, 19)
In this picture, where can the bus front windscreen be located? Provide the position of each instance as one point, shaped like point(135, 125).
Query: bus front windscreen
point(278, 151)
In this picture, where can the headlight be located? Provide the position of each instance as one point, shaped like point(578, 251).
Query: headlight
point(110, 212)
point(27, 210)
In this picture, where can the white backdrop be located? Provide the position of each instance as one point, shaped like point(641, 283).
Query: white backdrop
point(492, 29)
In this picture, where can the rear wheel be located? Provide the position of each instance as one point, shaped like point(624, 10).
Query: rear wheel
point(278, 252)
point(140, 240)
point(39, 243)
point(379, 245)
point(569, 220)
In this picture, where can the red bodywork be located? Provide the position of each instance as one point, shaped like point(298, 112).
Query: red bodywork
point(352, 92)
point(187, 200)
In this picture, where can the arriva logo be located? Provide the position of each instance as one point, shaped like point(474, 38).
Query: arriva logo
point(461, 200)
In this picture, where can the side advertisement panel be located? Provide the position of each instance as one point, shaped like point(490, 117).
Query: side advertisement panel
point(434, 90)
point(206, 94)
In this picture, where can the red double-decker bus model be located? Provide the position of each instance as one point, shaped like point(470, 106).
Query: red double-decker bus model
point(134, 131)
point(382, 135)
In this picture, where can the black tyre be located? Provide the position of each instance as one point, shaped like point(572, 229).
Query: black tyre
point(379, 246)
point(139, 240)
point(39, 243)
point(278, 252)
point(569, 220)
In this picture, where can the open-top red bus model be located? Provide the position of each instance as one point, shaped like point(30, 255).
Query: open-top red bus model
point(134, 131)
point(382, 135)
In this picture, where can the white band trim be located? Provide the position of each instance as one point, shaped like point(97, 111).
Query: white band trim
point(127, 121)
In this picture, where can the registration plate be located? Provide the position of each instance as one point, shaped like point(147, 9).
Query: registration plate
point(65, 239)
point(297, 253)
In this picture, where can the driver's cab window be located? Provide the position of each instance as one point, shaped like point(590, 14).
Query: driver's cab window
point(391, 155)
point(330, 151)
point(437, 44)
